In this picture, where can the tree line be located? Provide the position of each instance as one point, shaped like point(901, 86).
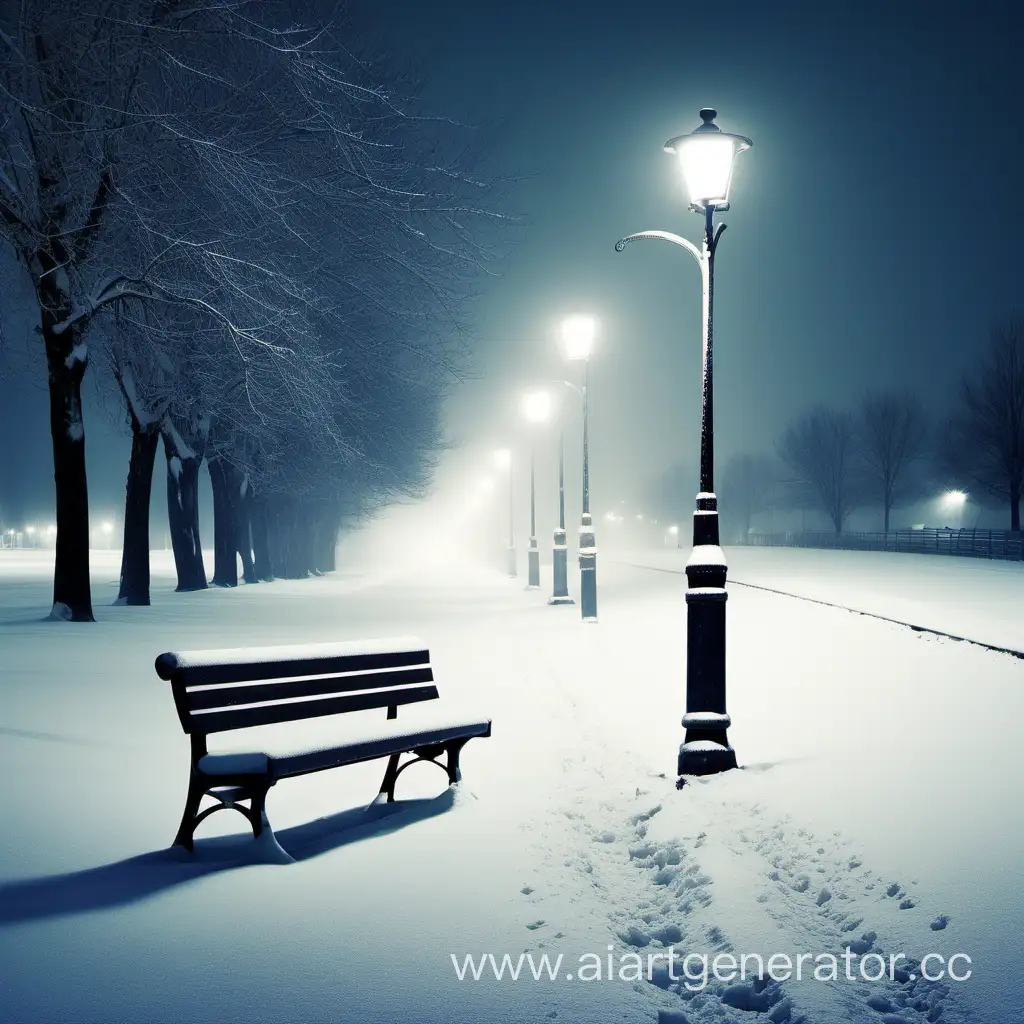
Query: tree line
point(887, 452)
point(261, 243)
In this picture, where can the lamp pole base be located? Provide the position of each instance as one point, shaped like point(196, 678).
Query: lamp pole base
point(560, 572)
point(706, 749)
point(533, 566)
point(704, 757)
point(588, 570)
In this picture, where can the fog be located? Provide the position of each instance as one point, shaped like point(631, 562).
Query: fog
point(873, 238)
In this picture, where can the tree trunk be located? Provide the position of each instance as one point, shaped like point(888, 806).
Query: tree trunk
point(326, 541)
point(244, 531)
point(135, 550)
point(224, 481)
point(888, 506)
point(66, 362)
point(183, 517)
point(305, 527)
point(262, 558)
point(837, 520)
point(1015, 508)
point(291, 539)
point(282, 540)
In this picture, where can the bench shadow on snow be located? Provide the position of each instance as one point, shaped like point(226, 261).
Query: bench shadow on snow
point(137, 878)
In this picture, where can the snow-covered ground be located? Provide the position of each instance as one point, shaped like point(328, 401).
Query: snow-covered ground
point(975, 598)
point(878, 807)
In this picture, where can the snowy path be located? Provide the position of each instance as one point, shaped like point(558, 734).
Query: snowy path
point(872, 811)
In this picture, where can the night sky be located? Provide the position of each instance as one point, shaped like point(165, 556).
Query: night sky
point(872, 239)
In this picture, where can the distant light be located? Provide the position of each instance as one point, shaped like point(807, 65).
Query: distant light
point(639, 516)
point(673, 529)
point(955, 497)
point(30, 530)
point(51, 529)
point(503, 458)
point(578, 332)
point(536, 406)
point(11, 532)
point(107, 526)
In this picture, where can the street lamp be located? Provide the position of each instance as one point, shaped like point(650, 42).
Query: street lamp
point(706, 158)
point(559, 553)
point(503, 460)
point(536, 409)
point(956, 502)
point(578, 332)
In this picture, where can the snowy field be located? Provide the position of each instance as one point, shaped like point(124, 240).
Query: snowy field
point(879, 807)
point(975, 598)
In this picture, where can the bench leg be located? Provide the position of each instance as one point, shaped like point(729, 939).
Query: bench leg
point(387, 786)
point(258, 812)
point(189, 818)
point(454, 771)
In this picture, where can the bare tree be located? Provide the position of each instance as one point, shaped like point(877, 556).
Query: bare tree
point(749, 483)
point(891, 434)
point(983, 441)
point(213, 156)
point(818, 447)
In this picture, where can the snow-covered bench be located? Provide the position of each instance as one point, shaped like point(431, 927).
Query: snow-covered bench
point(288, 703)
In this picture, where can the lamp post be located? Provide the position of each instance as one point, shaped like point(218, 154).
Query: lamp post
point(706, 158)
point(559, 554)
point(503, 460)
point(578, 333)
point(536, 410)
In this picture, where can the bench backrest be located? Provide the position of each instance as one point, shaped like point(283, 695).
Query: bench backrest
point(216, 691)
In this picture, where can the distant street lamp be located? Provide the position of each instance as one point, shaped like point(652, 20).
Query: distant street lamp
point(536, 410)
point(503, 460)
point(578, 334)
point(956, 503)
point(559, 553)
point(31, 531)
point(706, 159)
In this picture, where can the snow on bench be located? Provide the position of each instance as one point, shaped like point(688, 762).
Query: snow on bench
point(283, 706)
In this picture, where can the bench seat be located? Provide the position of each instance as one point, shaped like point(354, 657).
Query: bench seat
point(281, 756)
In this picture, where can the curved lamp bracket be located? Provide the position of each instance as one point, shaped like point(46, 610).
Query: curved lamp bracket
point(668, 236)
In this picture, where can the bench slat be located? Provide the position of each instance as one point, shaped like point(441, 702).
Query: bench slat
point(227, 696)
point(167, 667)
point(283, 711)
